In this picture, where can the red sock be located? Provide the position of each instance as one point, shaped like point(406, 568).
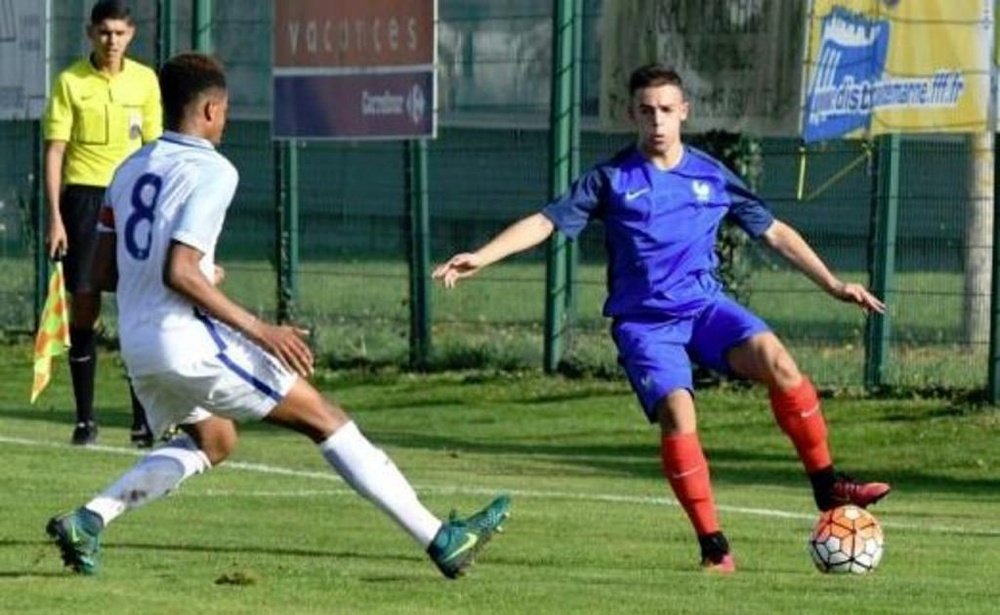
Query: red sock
point(798, 413)
point(686, 470)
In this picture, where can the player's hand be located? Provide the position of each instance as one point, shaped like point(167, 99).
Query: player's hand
point(458, 267)
point(286, 343)
point(218, 275)
point(858, 295)
point(56, 239)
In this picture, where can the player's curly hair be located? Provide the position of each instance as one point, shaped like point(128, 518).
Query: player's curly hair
point(652, 75)
point(183, 79)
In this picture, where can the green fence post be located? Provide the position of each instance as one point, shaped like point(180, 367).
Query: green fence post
point(993, 378)
point(572, 246)
point(418, 221)
point(882, 256)
point(165, 18)
point(37, 200)
point(201, 26)
point(286, 184)
point(39, 218)
point(559, 158)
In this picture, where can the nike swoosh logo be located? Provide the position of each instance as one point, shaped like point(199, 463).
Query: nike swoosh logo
point(633, 195)
point(809, 413)
point(683, 474)
point(470, 541)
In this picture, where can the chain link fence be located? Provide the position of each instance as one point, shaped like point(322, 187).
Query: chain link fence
point(489, 166)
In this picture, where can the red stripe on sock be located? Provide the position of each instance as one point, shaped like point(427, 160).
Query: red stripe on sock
point(799, 415)
point(686, 470)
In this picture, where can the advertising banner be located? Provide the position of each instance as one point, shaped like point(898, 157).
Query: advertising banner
point(354, 70)
point(897, 66)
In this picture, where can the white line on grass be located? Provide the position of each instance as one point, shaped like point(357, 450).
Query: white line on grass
point(524, 493)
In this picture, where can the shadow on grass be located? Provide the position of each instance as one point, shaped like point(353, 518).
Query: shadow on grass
point(257, 550)
point(106, 417)
point(738, 466)
point(199, 548)
point(729, 465)
point(32, 574)
point(43, 550)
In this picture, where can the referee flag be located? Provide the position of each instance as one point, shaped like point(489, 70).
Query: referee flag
point(52, 338)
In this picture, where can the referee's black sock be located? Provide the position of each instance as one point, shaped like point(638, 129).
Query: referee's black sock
point(82, 368)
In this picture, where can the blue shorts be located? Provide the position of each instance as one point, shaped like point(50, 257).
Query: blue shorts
point(657, 354)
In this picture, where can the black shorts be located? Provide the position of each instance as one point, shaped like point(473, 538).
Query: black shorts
point(79, 207)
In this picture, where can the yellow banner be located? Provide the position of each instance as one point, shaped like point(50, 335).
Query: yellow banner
point(897, 66)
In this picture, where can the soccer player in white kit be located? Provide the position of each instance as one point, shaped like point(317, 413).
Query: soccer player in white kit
point(199, 360)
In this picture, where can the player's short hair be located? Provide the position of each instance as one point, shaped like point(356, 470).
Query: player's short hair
point(184, 78)
point(109, 9)
point(653, 75)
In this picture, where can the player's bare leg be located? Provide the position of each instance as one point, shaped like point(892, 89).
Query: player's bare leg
point(797, 409)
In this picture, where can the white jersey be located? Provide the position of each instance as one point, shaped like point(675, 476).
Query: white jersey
point(176, 188)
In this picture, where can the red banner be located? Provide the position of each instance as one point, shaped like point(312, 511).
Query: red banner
point(353, 33)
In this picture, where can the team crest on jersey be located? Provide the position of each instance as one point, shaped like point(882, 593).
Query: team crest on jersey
point(702, 190)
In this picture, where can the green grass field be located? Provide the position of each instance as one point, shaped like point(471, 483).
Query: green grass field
point(593, 527)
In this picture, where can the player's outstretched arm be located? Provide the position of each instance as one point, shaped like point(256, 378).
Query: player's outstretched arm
point(525, 233)
point(786, 241)
point(182, 274)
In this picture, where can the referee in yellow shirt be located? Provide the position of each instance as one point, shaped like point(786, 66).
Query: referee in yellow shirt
point(102, 108)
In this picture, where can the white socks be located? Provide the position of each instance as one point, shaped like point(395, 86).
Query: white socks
point(156, 475)
point(363, 466)
point(372, 474)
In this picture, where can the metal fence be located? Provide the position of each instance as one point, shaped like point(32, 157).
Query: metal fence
point(489, 165)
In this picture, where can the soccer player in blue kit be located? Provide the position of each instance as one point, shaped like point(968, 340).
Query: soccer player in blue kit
point(661, 203)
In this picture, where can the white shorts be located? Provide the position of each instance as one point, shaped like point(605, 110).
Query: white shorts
point(242, 382)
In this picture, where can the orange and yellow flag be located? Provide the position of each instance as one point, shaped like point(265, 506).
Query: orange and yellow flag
point(52, 338)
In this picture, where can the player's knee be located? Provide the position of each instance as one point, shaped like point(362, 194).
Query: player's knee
point(225, 446)
point(216, 438)
point(780, 369)
point(333, 418)
point(307, 412)
point(84, 310)
point(783, 370)
point(676, 413)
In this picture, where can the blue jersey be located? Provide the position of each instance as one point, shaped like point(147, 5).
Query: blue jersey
point(660, 228)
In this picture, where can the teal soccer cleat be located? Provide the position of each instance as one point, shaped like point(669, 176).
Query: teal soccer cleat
point(78, 536)
point(456, 544)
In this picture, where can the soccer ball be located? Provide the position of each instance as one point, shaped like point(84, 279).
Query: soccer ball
point(846, 539)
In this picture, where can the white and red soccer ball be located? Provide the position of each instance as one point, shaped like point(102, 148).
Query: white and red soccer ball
point(846, 539)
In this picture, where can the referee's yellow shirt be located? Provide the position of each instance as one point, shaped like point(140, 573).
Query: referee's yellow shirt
point(102, 118)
